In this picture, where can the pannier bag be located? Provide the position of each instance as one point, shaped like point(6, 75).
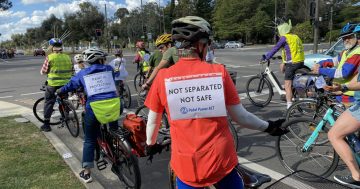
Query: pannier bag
point(137, 127)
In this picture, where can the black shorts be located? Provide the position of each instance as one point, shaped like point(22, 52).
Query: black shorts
point(291, 68)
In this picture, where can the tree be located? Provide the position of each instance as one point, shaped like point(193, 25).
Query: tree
point(121, 13)
point(5, 5)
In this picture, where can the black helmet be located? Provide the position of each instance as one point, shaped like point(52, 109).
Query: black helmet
point(190, 28)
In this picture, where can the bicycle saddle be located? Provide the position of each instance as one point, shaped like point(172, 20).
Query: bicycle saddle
point(252, 179)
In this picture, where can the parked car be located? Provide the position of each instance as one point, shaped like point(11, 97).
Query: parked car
point(219, 45)
point(234, 44)
point(19, 52)
point(39, 52)
point(336, 49)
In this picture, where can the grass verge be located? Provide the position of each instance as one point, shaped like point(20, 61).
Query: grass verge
point(28, 160)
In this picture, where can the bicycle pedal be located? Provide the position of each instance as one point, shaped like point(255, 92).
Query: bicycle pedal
point(101, 165)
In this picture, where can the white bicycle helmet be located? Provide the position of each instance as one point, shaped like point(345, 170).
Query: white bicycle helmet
point(190, 28)
point(93, 54)
point(78, 58)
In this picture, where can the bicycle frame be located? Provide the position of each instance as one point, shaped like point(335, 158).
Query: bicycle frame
point(274, 80)
point(328, 117)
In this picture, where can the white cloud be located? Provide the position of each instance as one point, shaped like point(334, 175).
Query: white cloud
point(28, 2)
point(21, 23)
point(10, 14)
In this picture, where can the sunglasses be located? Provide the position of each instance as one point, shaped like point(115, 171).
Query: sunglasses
point(160, 47)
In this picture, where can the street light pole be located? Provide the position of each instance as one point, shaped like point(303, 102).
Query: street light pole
point(316, 28)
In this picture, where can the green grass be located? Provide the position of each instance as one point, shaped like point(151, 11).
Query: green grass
point(28, 160)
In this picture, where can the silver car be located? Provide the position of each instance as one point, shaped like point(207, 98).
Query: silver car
point(234, 44)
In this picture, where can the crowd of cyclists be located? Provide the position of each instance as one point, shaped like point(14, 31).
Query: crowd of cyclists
point(202, 150)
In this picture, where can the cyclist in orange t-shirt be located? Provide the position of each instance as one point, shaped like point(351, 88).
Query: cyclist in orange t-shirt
point(197, 96)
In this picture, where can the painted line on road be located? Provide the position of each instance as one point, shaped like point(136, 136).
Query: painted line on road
point(26, 94)
point(273, 174)
point(6, 96)
point(248, 75)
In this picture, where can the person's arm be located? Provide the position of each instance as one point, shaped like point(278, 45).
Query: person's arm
point(347, 70)
point(276, 48)
point(152, 127)
point(72, 85)
point(45, 67)
point(137, 58)
point(163, 64)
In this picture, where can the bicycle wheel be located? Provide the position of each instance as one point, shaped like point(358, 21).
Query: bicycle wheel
point(233, 133)
point(307, 107)
point(141, 97)
point(319, 159)
point(126, 166)
point(71, 118)
point(139, 80)
point(259, 91)
point(126, 96)
point(38, 110)
point(143, 111)
point(172, 178)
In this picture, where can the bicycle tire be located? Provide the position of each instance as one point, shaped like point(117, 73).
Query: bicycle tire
point(307, 108)
point(139, 80)
point(233, 133)
point(252, 94)
point(38, 109)
point(126, 161)
point(143, 111)
point(71, 119)
point(126, 96)
point(292, 158)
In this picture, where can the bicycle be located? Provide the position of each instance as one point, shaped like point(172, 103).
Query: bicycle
point(125, 94)
point(307, 142)
point(140, 79)
point(64, 109)
point(115, 148)
point(143, 111)
point(260, 85)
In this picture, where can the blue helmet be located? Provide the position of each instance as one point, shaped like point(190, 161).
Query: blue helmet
point(55, 42)
point(349, 29)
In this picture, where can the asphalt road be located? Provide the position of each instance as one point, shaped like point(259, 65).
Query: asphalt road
point(20, 82)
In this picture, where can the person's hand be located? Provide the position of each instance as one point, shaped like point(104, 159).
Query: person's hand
point(153, 149)
point(58, 91)
point(334, 87)
point(275, 129)
point(145, 86)
point(315, 69)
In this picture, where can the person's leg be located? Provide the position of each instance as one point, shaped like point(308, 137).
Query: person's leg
point(181, 185)
point(288, 90)
point(50, 100)
point(91, 134)
point(344, 125)
point(230, 181)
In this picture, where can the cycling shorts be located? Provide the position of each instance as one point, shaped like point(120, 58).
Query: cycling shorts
point(230, 181)
point(355, 111)
point(290, 70)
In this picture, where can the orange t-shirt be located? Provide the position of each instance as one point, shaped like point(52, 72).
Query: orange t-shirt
point(202, 149)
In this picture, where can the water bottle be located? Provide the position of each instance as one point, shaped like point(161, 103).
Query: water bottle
point(354, 142)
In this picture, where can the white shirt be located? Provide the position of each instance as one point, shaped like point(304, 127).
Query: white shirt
point(119, 65)
point(77, 67)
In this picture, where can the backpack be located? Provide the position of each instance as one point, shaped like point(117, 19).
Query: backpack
point(137, 127)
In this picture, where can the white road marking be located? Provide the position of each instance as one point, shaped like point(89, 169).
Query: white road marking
point(245, 76)
point(6, 96)
point(26, 94)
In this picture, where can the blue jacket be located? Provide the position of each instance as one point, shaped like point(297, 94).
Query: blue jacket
point(77, 81)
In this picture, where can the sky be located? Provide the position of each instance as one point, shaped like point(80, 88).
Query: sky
point(30, 13)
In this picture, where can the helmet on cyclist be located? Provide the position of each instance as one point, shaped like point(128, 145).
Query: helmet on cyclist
point(118, 52)
point(349, 29)
point(93, 54)
point(190, 29)
point(284, 28)
point(140, 44)
point(163, 39)
point(78, 58)
point(56, 44)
